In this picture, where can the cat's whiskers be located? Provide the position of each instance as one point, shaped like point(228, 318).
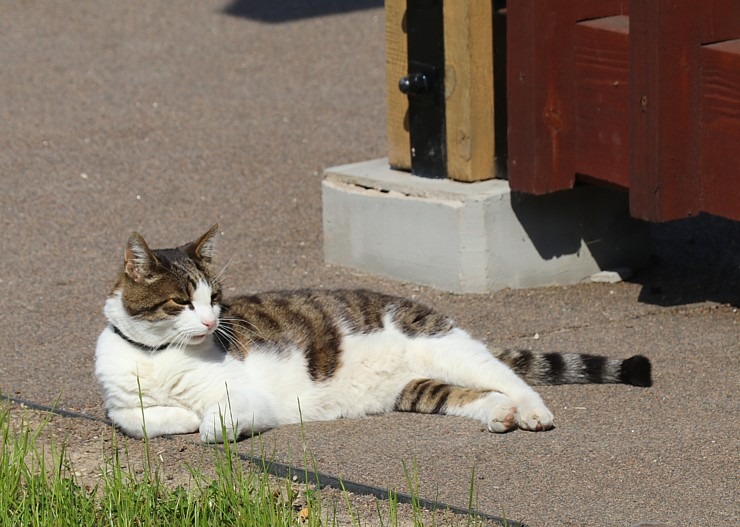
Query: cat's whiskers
point(223, 269)
point(228, 331)
point(181, 341)
point(167, 339)
point(246, 325)
point(230, 341)
point(230, 336)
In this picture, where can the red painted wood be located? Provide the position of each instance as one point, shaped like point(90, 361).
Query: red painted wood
point(602, 76)
point(664, 182)
point(540, 97)
point(720, 128)
point(718, 20)
point(667, 181)
point(671, 136)
point(541, 90)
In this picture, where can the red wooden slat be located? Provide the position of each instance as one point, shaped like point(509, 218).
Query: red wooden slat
point(664, 182)
point(601, 99)
point(540, 87)
point(718, 20)
point(540, 102)
point(720, 128)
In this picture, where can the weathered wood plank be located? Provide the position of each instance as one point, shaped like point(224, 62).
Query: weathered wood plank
point(664, 182)
point(720, 128)
point(396, 66)
point(541, 90)
point(718, 20)
point(602, 98)
point(468, 43)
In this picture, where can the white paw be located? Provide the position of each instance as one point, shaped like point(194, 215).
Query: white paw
point(535, 418)
point(215, 423)
point(210, 434)
point(502, 413)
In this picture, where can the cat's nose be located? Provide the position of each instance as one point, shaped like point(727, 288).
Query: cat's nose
point(209, 323)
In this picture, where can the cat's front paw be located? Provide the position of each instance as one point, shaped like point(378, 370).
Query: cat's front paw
point(210, 434)
point(217, 426)
point(535, 418)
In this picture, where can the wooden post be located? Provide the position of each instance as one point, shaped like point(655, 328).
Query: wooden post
point(539, 84)
point(396, 66)
point(663, 104)
point(666, 102)
point(469, 117)
point(541, 90)
point(468, 41)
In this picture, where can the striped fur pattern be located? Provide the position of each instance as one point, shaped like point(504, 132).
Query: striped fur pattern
point(178, 358)
point(575, 368)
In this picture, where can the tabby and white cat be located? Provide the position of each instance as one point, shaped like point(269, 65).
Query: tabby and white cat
point(176, 358)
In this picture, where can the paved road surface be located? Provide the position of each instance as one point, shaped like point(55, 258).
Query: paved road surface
point(165, 117)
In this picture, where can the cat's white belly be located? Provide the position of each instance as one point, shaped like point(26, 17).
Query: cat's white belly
point(371, 374)
point(374, 369)
point(269, 383)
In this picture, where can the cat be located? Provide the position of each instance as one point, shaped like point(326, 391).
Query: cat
point(177, 358)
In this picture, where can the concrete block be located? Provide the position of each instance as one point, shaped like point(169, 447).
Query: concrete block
point(474, 237)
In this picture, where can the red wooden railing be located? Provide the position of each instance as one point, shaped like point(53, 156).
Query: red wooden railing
point(643, 95)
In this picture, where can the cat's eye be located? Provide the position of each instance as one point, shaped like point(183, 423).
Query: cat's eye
point(184, 302)
point(215, 298)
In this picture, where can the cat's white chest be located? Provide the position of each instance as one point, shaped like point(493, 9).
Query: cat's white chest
point(132, 376)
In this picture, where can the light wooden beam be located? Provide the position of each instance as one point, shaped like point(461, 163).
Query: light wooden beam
point(468, 41)
point(396, 66)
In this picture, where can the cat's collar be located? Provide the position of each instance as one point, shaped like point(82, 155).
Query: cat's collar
point(135, 343)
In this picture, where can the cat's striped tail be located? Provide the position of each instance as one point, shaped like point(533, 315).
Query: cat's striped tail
point(541, 368)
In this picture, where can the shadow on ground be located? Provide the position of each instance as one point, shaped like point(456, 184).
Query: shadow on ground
point(693, 260)
point(278, 11)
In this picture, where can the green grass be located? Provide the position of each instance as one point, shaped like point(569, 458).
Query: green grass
point(38, 487)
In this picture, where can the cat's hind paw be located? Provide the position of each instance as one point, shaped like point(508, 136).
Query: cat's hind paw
point(502, 415)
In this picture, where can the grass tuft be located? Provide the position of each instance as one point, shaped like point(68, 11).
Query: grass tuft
point(39, 487)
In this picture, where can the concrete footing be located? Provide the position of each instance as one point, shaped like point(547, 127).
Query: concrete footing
point(474, 237)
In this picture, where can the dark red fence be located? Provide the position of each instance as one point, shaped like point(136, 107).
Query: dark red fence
point(642, 95)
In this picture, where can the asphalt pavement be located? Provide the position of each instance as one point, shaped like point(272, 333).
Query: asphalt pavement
point(166, 117)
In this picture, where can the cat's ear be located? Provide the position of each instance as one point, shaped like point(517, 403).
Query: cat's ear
point(139, 261)
point(204, 247)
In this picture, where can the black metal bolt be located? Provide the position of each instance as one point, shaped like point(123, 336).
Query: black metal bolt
point(414, 83)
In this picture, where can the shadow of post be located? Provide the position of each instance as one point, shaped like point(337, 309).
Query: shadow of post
point(690, 261)
point(586, 217)
point(693, 260)
point(279, 11)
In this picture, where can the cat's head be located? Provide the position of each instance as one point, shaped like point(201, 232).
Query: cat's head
point(166, 296)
